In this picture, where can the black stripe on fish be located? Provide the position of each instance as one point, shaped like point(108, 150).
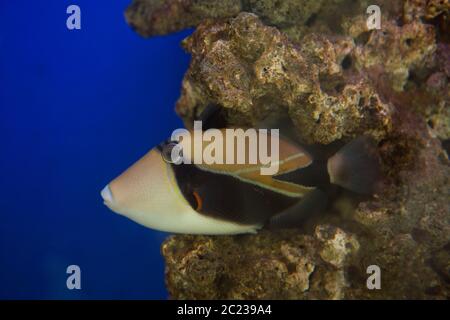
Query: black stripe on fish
point(228, 198)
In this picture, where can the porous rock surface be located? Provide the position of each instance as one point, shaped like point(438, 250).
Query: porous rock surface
point(317, 62)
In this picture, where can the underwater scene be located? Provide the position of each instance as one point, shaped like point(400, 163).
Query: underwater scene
point(225, 150)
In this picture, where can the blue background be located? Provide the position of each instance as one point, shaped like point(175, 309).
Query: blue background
point(77, 108)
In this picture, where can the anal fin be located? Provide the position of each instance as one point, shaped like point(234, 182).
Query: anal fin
point(313, 203)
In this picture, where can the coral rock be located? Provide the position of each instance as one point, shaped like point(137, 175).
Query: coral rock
point(253, 70)
point(317, 63)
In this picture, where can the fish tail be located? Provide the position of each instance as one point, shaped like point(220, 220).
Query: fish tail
point(356, 166)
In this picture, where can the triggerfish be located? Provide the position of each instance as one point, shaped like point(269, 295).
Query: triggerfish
point(224, 198)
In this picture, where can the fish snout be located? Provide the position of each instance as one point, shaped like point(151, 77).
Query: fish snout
point(107, 195)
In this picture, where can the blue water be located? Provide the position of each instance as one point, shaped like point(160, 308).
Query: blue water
point(76, 108)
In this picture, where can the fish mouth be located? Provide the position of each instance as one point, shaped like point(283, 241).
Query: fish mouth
point(107, 196)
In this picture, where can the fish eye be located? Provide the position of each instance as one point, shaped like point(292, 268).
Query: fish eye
point(167, 153)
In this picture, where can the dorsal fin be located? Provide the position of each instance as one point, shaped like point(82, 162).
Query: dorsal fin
point(282, 122)
point(212, 116)
point(287, 130)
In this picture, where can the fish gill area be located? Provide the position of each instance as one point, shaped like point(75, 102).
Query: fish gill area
point(317, 62)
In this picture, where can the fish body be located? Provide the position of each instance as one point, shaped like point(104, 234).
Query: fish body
point(232, 198)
